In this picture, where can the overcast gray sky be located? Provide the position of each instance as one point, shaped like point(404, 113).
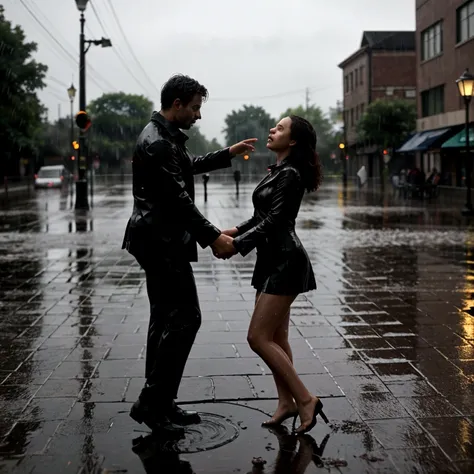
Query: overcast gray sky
point(261, 52)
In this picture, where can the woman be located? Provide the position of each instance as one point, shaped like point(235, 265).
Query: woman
point(283, 269)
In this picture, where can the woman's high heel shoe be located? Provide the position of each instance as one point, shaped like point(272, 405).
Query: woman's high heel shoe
point(281, 419)
point(318, 410)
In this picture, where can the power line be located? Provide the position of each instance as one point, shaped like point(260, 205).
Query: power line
point(55, 95)
point(57, 81)
point(114, 13)
point(272, 96)
point(62, 48)
point(116, 51)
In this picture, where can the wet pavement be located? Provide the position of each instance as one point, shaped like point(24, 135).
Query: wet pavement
point(387, 341)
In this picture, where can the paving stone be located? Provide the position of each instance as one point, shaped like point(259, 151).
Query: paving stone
point(387, 340)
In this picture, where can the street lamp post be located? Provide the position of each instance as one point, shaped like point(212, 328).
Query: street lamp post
point(81, 183)
point(342, 147)
point(466, 86)
point(71, 92)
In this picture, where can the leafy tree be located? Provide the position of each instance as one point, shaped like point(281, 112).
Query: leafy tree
point(198, 144)
point(20, 110)
point(387, 123)
point(248, 122)
point(117, 120)
point(327, 133)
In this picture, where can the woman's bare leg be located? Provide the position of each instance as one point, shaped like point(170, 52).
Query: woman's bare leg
point(286, 403)
point(270, 313)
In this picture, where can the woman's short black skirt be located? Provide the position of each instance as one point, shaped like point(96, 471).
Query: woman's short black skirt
point(283, 272)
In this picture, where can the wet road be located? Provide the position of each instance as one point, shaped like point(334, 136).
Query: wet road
point(387, 341)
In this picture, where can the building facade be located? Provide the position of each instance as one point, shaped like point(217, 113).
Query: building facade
point(445, 48)
point(383, 67)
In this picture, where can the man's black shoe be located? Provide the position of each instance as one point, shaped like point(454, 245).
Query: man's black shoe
point(160, 425)
point(182, 417)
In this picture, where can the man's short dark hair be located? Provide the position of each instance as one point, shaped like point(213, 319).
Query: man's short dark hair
point(181, 87)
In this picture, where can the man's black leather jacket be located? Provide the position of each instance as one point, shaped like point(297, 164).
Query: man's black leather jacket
point(165, 222)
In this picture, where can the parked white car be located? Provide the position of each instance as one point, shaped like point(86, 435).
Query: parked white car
point(52, 176)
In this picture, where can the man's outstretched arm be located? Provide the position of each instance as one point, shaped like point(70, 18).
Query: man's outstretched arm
point(222, 159)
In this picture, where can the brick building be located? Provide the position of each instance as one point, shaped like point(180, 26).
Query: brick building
point(445, 48)
point(383, 66)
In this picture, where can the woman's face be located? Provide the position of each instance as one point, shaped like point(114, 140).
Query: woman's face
point(279, 138)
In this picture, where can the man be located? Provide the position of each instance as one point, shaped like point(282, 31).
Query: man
point(162, 234)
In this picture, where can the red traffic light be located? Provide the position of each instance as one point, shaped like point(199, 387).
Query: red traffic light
point(83, 121)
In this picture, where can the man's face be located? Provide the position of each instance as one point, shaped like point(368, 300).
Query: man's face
point(187, 115)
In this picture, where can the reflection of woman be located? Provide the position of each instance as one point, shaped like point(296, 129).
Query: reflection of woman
point(283, 269)
point(289, 458)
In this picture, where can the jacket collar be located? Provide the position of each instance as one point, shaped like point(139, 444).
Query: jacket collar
point(275, 166)
point(170, 127)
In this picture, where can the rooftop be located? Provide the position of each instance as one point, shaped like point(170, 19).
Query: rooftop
point(383, 41)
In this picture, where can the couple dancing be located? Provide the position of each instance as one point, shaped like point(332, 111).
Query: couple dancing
point(162, 234)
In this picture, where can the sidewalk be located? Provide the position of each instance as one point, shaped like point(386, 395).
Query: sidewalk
point(387, 342)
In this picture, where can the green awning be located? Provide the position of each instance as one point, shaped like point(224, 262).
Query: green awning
point(459, 140)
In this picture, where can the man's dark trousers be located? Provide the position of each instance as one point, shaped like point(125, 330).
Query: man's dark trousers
point(175, 318)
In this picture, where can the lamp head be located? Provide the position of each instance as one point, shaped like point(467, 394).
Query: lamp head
point(71, 92)
point(81, 5)
point(466, 84)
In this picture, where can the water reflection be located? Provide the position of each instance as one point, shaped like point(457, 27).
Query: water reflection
point(295, 455)
point(21, 308)
point(157, 456)
point(86, 332)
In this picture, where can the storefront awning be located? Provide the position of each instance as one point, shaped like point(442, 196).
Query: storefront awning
point(459, 140)
point(429, 139)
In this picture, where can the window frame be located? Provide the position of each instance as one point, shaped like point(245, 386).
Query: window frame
point(429, 107)
point(429, 40)
point(468, 7)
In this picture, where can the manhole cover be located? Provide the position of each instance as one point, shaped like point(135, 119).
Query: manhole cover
point(213, 431)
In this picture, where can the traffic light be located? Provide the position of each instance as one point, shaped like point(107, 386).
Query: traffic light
point(342, 146)
point(246, 157)
point(83, 121)
point(75, 145)
point(385, 152)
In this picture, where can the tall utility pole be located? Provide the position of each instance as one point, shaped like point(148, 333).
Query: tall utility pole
point(81, 183)
point(307, 99)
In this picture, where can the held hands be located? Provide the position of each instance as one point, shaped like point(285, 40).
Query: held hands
point(223, 247)
point(231, 232)
point(243, 147)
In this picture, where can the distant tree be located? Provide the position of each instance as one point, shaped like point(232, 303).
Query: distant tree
point(326, 131)
point(248, 122)
point(198, 144)
point(20, 109)
point(117, 120)
point(386, 123)
point(214, 145)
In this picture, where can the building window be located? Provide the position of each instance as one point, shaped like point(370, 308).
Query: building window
point(465, 22)
point(352, 117)
point(432, 101)
point(346, 84)
point(432, 41)
point(361, 75)
point(410, 94)
point(351, 76)
point(357, 113)
point(356, 72)
point(361, 110)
